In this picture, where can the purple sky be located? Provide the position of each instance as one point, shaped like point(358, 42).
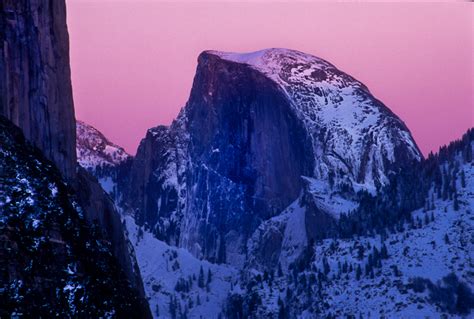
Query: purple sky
point(133, 61)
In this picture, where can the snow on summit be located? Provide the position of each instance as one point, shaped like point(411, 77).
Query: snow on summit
point(94, 149)
point(359, 132)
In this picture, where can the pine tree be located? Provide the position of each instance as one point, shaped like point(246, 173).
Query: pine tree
point(326, 266)
point(280, 272)
point(358, 272)
point(360, 252)
point(384, 252)
point(172, 307)
point(157, 310)
point(396, 272)
point(201, 278)
point(456, 202)
point(446, 239)
point(209, 276)
point(281, 309)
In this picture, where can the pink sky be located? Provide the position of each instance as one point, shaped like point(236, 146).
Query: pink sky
point(133, 62)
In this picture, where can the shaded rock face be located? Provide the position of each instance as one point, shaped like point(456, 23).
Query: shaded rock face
point(36, 95)
point(156, 190)
point(243, 129)
point(243, 136)
point(99, 210)
point(35, 84)
point(53, 262)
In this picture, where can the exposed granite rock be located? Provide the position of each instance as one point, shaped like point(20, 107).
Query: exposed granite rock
point(35, 81)
point(259, 131)
point(36, 95)
point(153, 197)
point(99, 209)
point(248, 152)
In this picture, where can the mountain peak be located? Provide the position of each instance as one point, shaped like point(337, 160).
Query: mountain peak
point(267, 57)
point(334, 107)
point(94, 149)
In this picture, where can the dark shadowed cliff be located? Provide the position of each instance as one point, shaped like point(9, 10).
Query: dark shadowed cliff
point(36, 96)
point(35, 80)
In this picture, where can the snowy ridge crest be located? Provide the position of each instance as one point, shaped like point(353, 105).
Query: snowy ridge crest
point(352, 132)
point(95, 150)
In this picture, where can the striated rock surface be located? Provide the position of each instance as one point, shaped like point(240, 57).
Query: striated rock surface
point(35, 81)
point(156, 193)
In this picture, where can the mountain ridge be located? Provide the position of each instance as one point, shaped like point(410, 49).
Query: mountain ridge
point(248, 182)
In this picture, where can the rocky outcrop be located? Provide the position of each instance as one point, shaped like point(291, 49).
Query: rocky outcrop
point(35, 82)
point(53, 262)
point(36, 95)
point(108, 162)
point(94, 150)
point(248, 152)
point(155, 181)
point(99, 209)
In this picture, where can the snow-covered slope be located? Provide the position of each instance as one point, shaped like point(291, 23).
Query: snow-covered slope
point(354, 135)
point(95, 150)
point(172, 278)
point(108, 162)
point(421, 268)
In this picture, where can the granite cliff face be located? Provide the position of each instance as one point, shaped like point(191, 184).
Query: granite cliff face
point(35, 81)
point(36, 96)
point(259, 132)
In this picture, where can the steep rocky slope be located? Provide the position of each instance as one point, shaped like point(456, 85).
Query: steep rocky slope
point(94, 150)
point(419, 267)
point(53, 263)
point(259, 131)
point(35, 81)
point(334, 244)
point(108, 162)
point(36, 95)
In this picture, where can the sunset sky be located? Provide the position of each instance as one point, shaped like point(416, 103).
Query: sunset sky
point(133, 62)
